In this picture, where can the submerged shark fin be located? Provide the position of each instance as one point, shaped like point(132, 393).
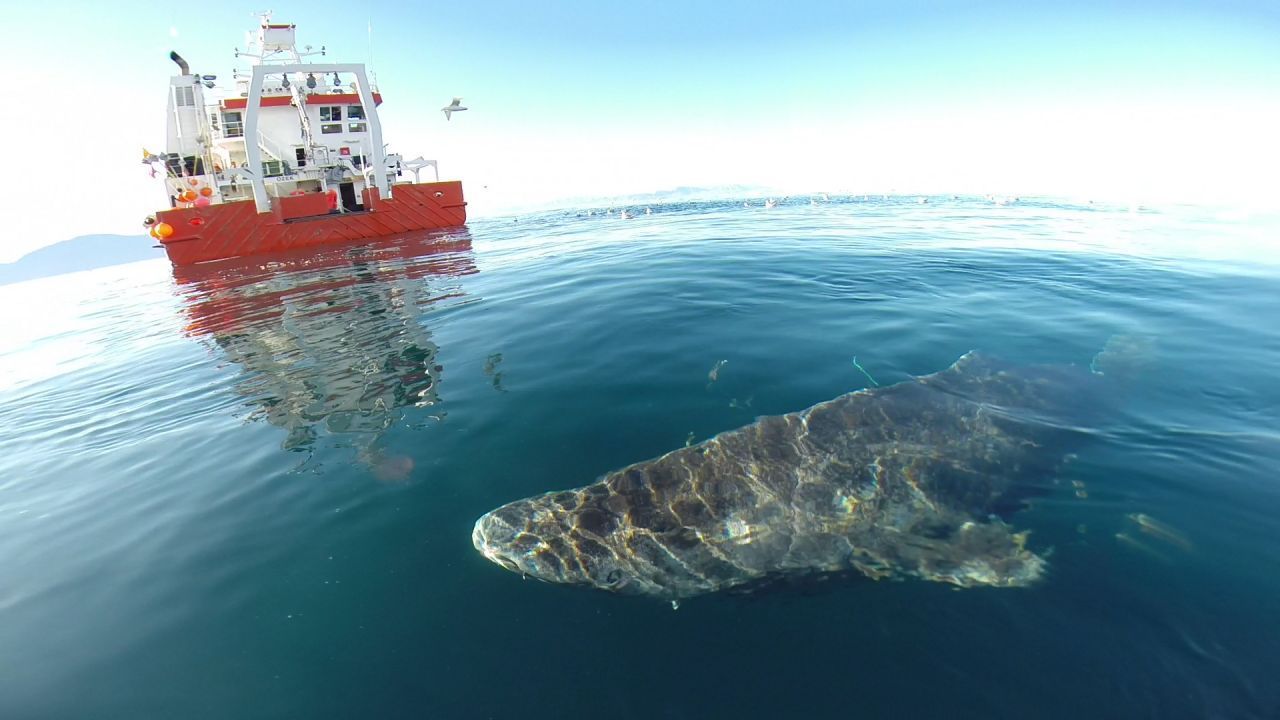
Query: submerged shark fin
point(970, 554)
point(1125, 356)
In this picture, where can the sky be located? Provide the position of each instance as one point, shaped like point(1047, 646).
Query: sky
point(1131, 102)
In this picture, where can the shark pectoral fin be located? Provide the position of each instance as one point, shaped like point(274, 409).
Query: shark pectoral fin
point(967, 554)
point(987, 553)
point(1126, 357)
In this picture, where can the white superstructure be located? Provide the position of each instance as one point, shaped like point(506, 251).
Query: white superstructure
point(290, 127)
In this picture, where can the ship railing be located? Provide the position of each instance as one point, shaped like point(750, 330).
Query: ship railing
point(269, 147)
point(221, 158)
point(224, 128)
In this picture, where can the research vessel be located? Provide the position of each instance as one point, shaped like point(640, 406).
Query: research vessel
point(291, 157)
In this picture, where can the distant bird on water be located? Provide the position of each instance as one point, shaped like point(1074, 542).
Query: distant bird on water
point(453, 107)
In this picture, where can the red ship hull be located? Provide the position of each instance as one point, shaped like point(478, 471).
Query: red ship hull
point(237, 229)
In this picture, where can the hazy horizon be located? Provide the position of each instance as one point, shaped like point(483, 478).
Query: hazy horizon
point(1128, 104)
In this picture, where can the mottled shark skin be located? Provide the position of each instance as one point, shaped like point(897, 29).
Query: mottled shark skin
point(892, 481)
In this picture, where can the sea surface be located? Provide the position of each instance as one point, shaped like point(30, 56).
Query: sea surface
point(246, 490)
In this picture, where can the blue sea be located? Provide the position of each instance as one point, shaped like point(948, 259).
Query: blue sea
point(247, 489)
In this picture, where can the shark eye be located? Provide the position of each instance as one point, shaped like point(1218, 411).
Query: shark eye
point(613, 577)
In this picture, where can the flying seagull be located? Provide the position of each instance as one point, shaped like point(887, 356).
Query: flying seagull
point(453, 107)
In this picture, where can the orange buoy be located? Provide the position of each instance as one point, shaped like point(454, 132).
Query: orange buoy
point(193, 182)
point(187, 196)
point(152, 232)
point(163, 230)
point(206, 191)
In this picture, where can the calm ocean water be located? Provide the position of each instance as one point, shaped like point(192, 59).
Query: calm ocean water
point(247, 490)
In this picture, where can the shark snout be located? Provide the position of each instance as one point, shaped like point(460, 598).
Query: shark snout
point(490, 536)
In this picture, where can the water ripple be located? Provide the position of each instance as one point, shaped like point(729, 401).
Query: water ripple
point(252, 482)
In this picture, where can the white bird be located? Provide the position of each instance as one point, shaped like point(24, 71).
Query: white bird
point(453, 107)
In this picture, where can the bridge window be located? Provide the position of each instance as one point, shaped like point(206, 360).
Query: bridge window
point(331, 113)
point(331, 128)
point(233, 123)
point(355, 112)
point(357, 127)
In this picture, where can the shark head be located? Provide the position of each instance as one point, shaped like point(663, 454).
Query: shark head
point(562, 538)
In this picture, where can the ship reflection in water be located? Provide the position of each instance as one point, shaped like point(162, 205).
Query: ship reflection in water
point(332, 342)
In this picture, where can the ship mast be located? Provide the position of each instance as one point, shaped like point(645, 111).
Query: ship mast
point(276, 47)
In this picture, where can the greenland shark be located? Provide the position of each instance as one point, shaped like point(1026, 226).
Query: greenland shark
point(906, 480)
